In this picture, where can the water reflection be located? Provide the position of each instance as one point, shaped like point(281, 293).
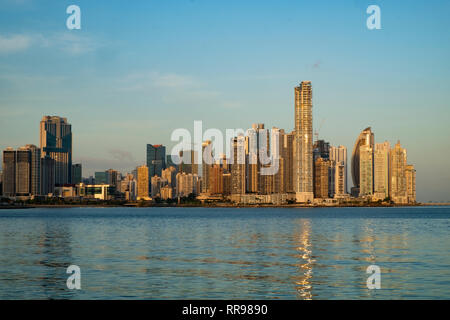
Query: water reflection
point(302, 238)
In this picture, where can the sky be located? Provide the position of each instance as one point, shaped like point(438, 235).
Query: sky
point(138, 70)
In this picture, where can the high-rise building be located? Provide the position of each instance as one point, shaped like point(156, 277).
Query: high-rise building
point(366, 137)
point(22, 171)
point(77, 173)
point(9, 172)
point(321, 178)
point(187, 184)
point(207, 161)
point(321, 149)
point(156, 159)
point(303, 162)
point(170, 174)
point(112, 178)
point(47, 175)
point(338, 155)
point(238, 165)
point(101, 177)
point(56, 142)
point(366, 170)
point(398, 188)
point(381, 170)
point(288, 156)
point(216, 179)
point(411, 183)
point(143, 184)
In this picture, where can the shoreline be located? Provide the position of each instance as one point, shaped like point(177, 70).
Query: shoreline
point(135, 205)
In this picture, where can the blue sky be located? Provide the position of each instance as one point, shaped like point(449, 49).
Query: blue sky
point(137, 70)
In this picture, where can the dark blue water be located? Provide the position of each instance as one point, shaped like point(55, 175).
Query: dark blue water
point(212, 253)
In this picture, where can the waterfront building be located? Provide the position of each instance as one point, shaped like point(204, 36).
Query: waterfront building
point(128, 187)
point(112, 177)
point(321, 178)
point(238, 165)
point(77, 173)
point(48, 168)
point(303, 148)
point(157, 183)
point(143, 184)
point(366, 137)
point(381, 170)
point(366, 170)
point(410, 173)
point(187, 184)
point(207, 161)
point(22, 171)
point(166, 192)
point(398, 188)
point(56, 142)
point(287, 153)
point(216, 179)
point(156, 160)
point(170, 174)
point(101, 177)
point(338, 155)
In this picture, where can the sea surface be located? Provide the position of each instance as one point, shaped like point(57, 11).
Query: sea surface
point(225, 253)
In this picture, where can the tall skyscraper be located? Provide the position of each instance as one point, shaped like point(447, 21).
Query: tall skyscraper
point(77, 174)
point(56, 142)
point(9, 172)
point(238, 165)
point(366, 170)
point(381, 170)
point(303, 163)
point(142, 183)
point(47, 175)
point(338, 155)
point(207, 161)
point(156, 159)
point(366, 137)
point(411, 183)
point(288, 155)
point(398, 188)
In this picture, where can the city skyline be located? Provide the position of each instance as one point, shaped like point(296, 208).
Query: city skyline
point(142, 87)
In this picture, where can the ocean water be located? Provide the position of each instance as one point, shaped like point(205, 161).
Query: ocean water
point(225, 253)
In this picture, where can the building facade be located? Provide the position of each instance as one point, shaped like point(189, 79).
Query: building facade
point(56, 142)
point(303, 162)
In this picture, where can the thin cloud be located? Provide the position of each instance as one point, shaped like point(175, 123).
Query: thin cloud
point(14, 43)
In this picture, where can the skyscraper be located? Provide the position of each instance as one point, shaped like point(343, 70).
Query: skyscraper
point(207, 161)
point(142, 183)
point(398, 189)
point(156, 159)
point(381, 170)
point(411, 183)
point(76, 173)
point(22, 171)
point(238, 165)
point(366, 170)
point(303, 163)
point(56, 142)
point(366, 137)
point(321, 178)
point(338, 155)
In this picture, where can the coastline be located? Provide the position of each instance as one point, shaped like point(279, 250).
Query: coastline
point(219, 205)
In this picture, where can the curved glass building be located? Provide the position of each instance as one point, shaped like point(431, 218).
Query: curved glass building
point(365, 138)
